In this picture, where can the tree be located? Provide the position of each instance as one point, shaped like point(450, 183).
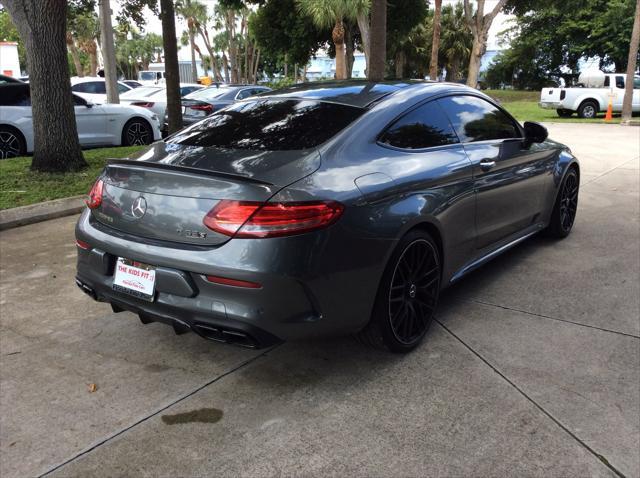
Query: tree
point(278, 30)
point(171, 69)
point(435, 42)
point(631, 65)
point(191, 11)
point(328, 13)
point(42, 25)
point(480, 23)
point(405, 37)
point(377, 61)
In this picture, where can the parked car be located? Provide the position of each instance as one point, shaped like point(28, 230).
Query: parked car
point(201, 103)
point(321, 209)
point(4, 79)
point(94, 89)
point(591, 98)
point(155, 97)
point(98, 125)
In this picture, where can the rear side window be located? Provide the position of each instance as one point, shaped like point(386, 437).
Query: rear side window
point(475, 119)
point(13, 94)
point(270, 124)
point(620, 82)
point(424, 127)
point(93, 87)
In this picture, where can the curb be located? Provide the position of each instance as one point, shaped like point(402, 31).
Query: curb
point(23, 215)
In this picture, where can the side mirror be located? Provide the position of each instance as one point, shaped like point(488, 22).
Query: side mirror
point(534, 132)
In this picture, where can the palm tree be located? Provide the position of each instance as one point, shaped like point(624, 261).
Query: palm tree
point(435, 42)
point(192, 12)
point(456, 41)
point(333, 13)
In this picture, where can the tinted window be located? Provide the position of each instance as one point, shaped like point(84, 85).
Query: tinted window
point(424, 127)
point(185, 90)
point(209, 93)
point(15, 94)
point(121, 88)
point(78, 101)
point(267, 124)
point(475, 119)
point(606, 82)
point(245, 93)
point(620, 82)
point(636, 83)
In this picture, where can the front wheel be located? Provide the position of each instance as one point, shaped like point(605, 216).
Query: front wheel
point(137, 132)
point(407, 296)
point(12, 143)
point(565, 207)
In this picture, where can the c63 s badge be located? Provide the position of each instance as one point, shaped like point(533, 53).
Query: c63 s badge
point(191, 233)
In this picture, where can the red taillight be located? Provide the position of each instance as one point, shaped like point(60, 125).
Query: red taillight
point(234, 282)
point(206, 108)
point(253, 219)
point(95, 195)
point(144, 104)
point(83, 245)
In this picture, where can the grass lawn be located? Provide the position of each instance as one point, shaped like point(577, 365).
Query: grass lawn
point(20, 186)
point(524, 106)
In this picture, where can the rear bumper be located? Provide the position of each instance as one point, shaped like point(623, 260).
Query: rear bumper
point(308, 287)
point(550, 105)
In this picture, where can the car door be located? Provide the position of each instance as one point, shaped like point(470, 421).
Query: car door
point(618, 92)
point(425, 157)
point(90, 121)
point(510, 177)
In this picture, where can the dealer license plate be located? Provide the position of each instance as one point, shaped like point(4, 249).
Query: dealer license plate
point(135, 278)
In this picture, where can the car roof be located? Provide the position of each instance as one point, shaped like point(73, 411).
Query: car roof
point(87, 79)
point(360, 93)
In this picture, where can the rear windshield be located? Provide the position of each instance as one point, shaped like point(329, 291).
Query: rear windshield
point(270, 124)
point(208, 93)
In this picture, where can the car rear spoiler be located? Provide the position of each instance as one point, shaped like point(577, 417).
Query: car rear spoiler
point(184, 169)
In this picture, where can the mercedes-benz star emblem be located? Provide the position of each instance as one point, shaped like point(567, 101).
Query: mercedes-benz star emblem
point(139, 207)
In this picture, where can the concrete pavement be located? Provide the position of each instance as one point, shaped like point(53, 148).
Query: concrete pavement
point(532, 369)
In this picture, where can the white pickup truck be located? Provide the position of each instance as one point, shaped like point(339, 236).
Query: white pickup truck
point(591, 98)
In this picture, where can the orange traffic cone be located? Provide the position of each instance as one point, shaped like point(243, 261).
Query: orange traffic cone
point(609, 115)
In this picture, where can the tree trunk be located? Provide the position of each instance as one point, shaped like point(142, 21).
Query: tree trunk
point(474, 62)
point(214, 64)
point(42, 25)
point(108, 52)
point(255, 68)
point(338, 39)
point(171, 68)
point(399, 64)
point(435, 42)
point(93, 61)
point(225, 67)
point(286, 65)
point(75, 55)
point(378, 40)
point(479, 24)
point(192, 43)
point(349, 57)
point(363, 26)
point(233, 46)
point(631, 66)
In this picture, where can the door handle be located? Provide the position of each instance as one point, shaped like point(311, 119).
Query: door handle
point(486, 165)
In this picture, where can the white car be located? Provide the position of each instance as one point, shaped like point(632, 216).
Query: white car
point(94, 88)
point(591, 98)
point(98, 125)
point(155, 97)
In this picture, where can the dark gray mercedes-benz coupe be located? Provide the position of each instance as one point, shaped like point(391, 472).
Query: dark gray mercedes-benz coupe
point(324, 208)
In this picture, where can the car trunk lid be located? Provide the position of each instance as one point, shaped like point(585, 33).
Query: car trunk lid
point(166, 192)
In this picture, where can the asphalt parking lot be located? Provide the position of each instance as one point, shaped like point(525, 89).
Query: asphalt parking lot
point(533, 367)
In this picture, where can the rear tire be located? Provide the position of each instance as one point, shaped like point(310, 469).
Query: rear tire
point(407, 296)
point(565, 207)
point(588, 109)
point(12, 143)
point(137, 132)
point(562, 113)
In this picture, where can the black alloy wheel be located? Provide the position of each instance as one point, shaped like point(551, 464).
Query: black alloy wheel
point(413, 294)
point(566, 206)
point(407, 297)
point(137, 133)
point(11, 144)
